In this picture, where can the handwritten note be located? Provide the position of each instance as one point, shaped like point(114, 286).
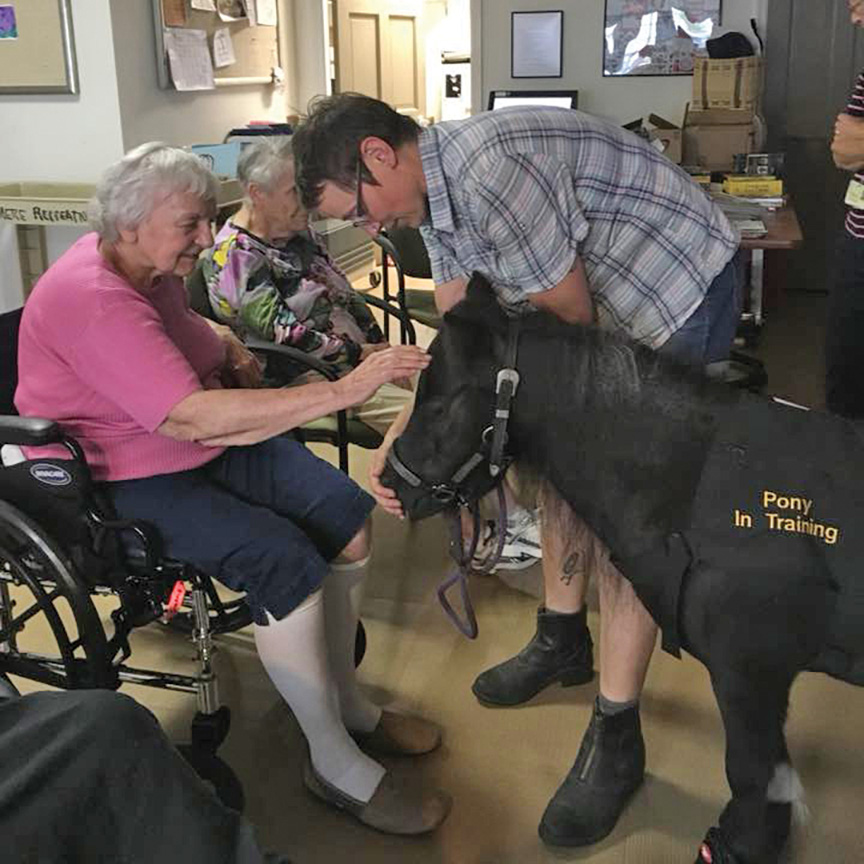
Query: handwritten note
point(189, 58)
point(223, 48)
point(267, 14)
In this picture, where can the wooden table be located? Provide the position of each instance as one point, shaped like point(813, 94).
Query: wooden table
point(784, 232)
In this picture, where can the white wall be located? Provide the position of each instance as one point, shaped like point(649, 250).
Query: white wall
point(619, 99)
point(61, 138)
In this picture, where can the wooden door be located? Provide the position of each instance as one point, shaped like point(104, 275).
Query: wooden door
point(379, 50)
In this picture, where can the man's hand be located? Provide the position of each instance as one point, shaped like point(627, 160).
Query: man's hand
point(848, 144)
point(856, 11)
point(391, 364)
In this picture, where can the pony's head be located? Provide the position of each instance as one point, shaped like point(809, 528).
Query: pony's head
point(442, 457)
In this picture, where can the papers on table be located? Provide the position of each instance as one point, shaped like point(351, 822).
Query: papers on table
point(189, 59)
point(204, 5)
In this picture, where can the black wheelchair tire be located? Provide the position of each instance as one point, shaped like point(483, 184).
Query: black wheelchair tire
point(216, 774)
point(32, 558)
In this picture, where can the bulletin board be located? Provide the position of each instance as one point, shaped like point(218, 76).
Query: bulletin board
point(37, 47)
point(256, 48)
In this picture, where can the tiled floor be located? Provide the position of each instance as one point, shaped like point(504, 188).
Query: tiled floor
point(503, 765)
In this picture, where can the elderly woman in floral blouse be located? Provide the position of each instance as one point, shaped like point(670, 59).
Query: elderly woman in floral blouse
point(268, 275)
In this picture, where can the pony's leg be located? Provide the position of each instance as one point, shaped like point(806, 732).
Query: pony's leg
point(755, 824)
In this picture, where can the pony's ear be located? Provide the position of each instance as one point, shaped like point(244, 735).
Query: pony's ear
point(480, 304)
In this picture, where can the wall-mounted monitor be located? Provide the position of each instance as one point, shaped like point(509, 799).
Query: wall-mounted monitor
point(548, 98)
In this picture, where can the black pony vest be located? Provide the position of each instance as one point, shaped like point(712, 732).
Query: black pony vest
point(782, 487)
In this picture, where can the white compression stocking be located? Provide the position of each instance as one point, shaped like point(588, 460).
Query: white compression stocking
point(294, 653)
point(343, 591)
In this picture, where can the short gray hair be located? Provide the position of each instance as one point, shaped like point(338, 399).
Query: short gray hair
point(265, 162)
point(145, 176)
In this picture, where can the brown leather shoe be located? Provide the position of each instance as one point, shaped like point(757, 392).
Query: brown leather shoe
point(397, 807)
point(400, 735)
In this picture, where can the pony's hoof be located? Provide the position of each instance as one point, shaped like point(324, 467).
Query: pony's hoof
point(715, 851)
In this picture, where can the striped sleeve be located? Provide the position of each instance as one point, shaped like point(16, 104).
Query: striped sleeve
point(856, 103)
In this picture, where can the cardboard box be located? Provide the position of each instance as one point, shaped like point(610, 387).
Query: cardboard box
point(733, 85)
point(663, 135)
point(666, 137)
point(712, 139)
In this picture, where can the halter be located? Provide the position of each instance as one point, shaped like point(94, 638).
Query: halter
point(493, 441)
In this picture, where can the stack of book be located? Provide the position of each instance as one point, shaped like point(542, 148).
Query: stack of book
point(764, 191)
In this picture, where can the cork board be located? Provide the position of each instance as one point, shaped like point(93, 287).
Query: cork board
point(256, 49)
point(37, 47)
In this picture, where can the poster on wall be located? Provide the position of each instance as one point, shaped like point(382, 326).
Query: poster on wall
point(8, 24)
point(536, 41)
point(657, 37)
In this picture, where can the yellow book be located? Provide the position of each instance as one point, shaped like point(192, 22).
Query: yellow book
point(753, 187)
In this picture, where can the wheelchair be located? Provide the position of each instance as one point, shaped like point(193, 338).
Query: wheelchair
point(61, 546)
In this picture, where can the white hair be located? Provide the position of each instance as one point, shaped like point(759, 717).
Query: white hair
point(143, 178)
point(265, 162)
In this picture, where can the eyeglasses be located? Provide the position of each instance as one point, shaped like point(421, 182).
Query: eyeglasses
point(361, 218)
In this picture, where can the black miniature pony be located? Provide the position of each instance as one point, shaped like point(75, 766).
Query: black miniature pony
point(734, 516)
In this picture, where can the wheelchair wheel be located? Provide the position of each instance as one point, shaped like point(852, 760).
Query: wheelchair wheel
point(37, 580)
point(216, 774)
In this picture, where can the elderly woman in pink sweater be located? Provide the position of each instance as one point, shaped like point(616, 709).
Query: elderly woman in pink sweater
point(110, 349)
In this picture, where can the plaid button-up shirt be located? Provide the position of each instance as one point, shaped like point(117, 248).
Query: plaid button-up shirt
point(519, 194)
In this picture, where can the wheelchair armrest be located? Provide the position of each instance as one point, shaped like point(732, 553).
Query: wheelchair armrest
point(260, 346)
point(29, 431)
point(395, 311)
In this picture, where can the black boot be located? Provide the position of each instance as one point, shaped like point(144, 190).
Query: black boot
point(608, 770)
point(561, 650)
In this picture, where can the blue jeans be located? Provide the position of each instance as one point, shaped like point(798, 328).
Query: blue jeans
point(264, 519)
point(706, 336)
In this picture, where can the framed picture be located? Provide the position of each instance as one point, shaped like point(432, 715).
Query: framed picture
point(37, 47)
point(657, 37)
point(536, 44)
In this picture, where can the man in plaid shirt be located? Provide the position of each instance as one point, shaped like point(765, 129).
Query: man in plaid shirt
point(566, 213)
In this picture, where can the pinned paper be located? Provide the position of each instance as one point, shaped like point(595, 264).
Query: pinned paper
point(189, 58)
point(223, 48)
point(252, 12)
point(174, 13)
point(267, 14)
point(8, 25)
point(231, 10)
point(204, 5)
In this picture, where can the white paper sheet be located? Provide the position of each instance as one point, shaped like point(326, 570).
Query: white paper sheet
point(204, 5)
point(536, 44)
point(267, 14)
point(189, 59)
point(223, 48)
point(252, 12)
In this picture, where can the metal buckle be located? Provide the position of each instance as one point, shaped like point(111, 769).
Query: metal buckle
point(510, 375)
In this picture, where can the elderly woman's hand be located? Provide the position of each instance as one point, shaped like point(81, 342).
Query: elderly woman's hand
point(847, 145)
point(391, 364)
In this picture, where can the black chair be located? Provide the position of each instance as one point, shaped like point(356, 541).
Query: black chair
point(284, 363)
point(404, 247)
point(61, 545)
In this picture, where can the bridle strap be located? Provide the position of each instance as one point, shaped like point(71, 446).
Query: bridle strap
point(464, 558)
point(402, 469)
point(506, 385)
